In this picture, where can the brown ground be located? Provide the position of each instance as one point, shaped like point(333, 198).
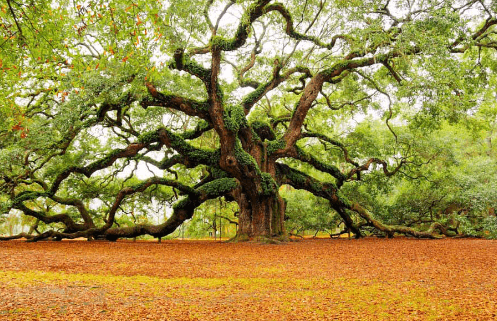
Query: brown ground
point(369, 279)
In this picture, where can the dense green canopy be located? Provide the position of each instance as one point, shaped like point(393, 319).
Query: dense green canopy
point(111, 111)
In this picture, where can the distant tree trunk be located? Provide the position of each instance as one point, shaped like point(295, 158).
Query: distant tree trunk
point(214, 226)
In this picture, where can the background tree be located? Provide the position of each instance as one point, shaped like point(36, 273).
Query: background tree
point(265, 94)
point(308, 213)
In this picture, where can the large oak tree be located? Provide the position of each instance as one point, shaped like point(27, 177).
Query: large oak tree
point(223, 99)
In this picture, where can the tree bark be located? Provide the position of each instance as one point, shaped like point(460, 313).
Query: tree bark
point(261, 208)
point(261, 218)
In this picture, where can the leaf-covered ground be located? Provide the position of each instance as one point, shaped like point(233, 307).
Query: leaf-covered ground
point(369, 279)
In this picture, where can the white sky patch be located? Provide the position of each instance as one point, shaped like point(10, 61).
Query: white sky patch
point(145, 171)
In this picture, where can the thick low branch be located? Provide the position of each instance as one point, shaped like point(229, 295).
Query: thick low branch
point(391, 229)
point(140, 188)
point(16, 237)
point(79, 205)
point(183, 209)
point(329, 191)
point(65, 219)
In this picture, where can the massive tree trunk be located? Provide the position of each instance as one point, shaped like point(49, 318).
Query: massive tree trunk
point(261, 217)
point(261, 208)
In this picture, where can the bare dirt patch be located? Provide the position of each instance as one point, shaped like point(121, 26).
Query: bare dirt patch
point(369, 279)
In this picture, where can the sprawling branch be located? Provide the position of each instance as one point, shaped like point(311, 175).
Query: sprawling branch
point(188, 106)
point(302, 155)
point(313, 88)
point(391, 229)
point(79, 205)
point(252, 98)
point(16, 237)
point(382, 163)
point(130, 151)
point(333, 142)
point(140, 188)
point(290, 29)
point(65, 219)
point(329, 191)
point(243, 30)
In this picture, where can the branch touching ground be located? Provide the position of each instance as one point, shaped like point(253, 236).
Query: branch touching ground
point(391, 229)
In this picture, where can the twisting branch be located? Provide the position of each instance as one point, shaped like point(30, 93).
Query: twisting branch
point(391, 229)
point(253, 13)
point(191, 154)
point(129, 151)
point(63, 218)
point(221, 15)
point(251, 99)
point(182, 61)
point(188, 106)
point(382, 163)
point(375, 85)
point(290, 30)
point(140, 188)
point(79, 205)
point(348, 103)
point(332, 142)
point(255, 51)
point(207, 6)
point(331, 74)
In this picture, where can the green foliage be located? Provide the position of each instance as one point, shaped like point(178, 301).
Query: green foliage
point(212, 220)
point(182, 203)
point(269, 186)
point(490, 227)
point(451, 188)
point(149, 137)
point(234, 118)
point(244, 158)
point(309, 213)
point(274, 145)
point(219, 186)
